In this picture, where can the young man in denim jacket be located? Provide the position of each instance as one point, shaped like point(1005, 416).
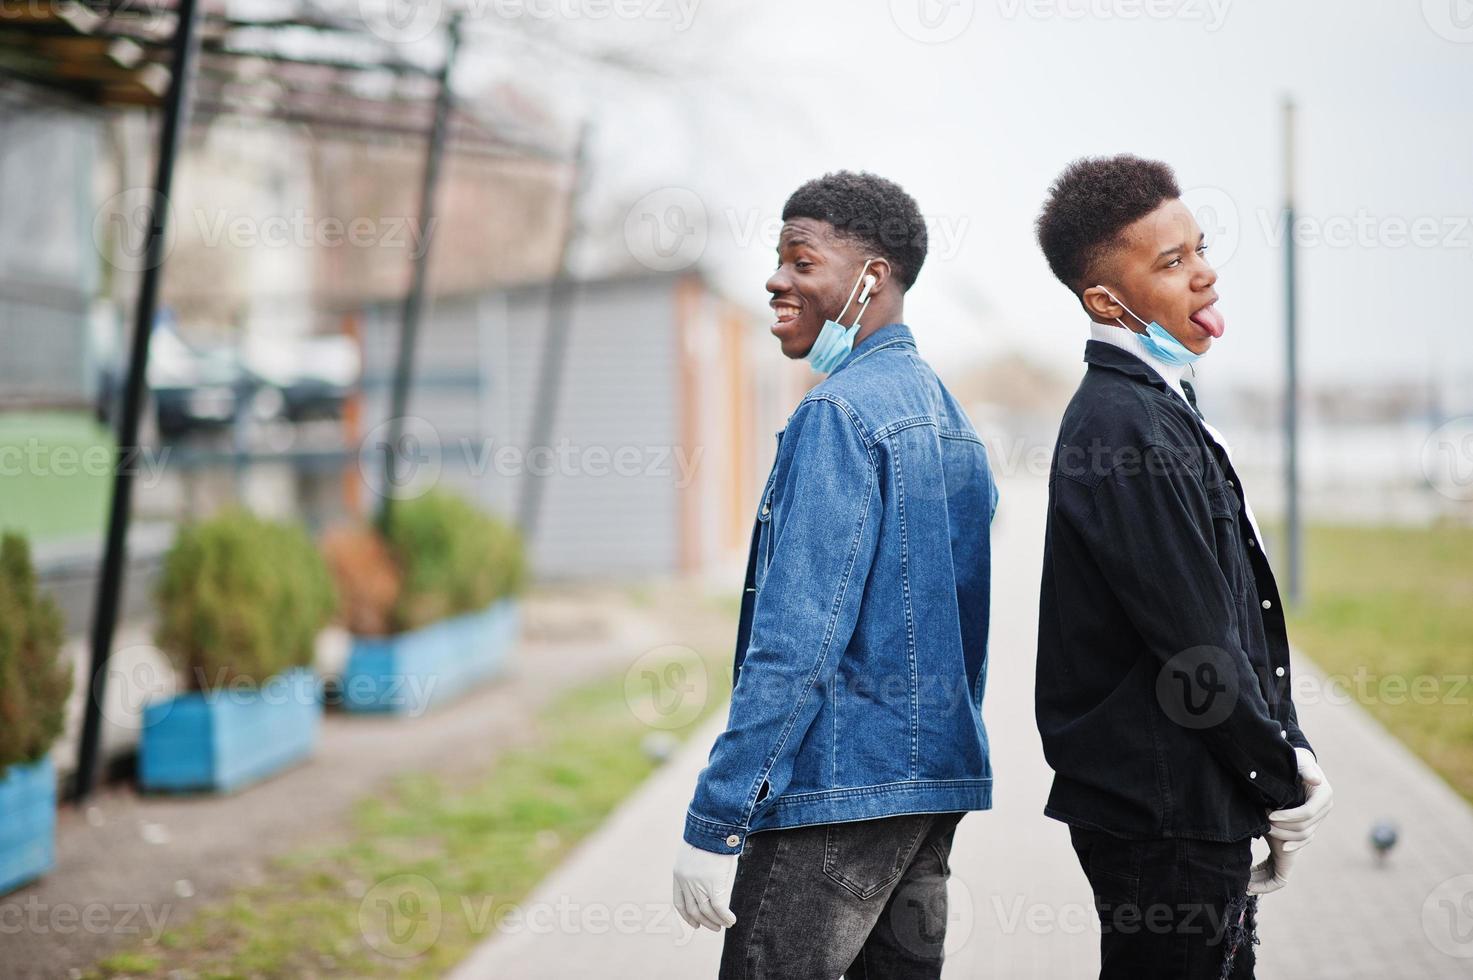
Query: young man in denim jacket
point(1163, 688)
point(854, 742)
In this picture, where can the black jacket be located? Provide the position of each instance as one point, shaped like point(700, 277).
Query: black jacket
point(1163, 688)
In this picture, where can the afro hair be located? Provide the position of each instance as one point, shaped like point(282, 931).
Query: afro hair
point(870, 211)
point(1090, 204)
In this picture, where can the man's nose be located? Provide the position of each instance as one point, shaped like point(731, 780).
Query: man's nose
point(778, 282)
point(1207, 277)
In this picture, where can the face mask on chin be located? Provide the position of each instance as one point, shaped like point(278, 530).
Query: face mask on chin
point(835, 341)
point(1157, 339)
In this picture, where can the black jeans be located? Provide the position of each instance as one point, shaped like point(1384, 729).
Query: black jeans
point(1173, 909)
point(865, 899)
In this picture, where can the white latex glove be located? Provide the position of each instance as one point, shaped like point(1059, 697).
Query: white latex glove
point(702, 889)
point(1272, 873)
point(1296, 826)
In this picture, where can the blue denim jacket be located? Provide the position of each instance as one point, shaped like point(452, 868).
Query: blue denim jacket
point(862, 651)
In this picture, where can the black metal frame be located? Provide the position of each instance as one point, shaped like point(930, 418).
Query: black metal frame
point(318, 93)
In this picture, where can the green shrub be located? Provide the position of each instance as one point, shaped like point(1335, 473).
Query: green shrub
point(453, 559)
point(34, 681)
point(241, 599)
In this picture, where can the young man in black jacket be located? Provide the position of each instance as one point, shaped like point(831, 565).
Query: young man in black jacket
point(1163, 687)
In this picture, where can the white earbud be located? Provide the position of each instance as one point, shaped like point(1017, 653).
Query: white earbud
point(869, 283)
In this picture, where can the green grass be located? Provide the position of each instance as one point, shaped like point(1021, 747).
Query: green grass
point(1389, 614)
point(55, 473)
point(429, 869)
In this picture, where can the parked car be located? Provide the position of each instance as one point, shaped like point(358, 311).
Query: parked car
point(193, 389)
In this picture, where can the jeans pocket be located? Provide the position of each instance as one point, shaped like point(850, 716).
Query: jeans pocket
point(940, 843)
point(867, 856)
point(1114, 873)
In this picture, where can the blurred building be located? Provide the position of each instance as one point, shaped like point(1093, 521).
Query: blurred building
point(48, 267)
point(660, 436)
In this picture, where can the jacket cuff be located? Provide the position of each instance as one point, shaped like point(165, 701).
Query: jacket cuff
point(1287, 795)
point(720, 838)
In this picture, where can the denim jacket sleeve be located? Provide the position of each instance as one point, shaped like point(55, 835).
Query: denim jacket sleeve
point(1149, 525)
point(825, 529)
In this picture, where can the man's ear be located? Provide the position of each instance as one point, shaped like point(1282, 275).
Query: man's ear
point(882, 271)
point(1100, 307)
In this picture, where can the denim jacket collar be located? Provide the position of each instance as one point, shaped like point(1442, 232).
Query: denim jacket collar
point(890, 335)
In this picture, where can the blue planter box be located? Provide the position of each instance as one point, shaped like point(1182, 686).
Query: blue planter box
point(224, 739)
point(408, 672)
point(27, 823)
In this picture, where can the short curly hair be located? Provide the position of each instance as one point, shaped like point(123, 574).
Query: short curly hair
point(1090, 204)
point(871, 211)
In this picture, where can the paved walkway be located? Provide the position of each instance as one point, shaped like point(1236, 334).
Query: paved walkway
point(1020, 907)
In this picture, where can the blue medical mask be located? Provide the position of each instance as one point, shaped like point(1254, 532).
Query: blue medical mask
point(834, 341)
point(1157, 339)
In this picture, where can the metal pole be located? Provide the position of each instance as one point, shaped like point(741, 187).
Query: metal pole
point(109, 587)
point(414, 299)
point(1291, 386)
point(554, 344)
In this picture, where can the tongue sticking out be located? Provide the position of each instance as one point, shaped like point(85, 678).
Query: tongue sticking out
point(1210, 320)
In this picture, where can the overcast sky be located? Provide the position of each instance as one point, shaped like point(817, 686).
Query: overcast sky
point(975, 105)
